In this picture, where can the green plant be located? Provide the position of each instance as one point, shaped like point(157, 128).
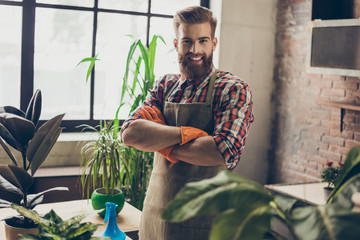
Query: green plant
point(51, 226)
point(101, 159)
point(246, 210)
point(330, 174)
point(20, 131)
point(138, 79)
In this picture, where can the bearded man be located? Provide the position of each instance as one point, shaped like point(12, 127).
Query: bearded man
point(196, 122)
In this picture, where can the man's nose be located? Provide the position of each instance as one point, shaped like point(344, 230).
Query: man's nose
point(195, 48)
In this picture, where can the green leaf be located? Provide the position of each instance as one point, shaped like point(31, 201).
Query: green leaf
point(16, 176)
point(8, 151)
point(30, 214)
point(331, 222)
point(43, 141)
point(6, 135)
point(20, 128)
point(31, 198)
point(345, 192)
point(34, 108)
point(92, 61)
point(6, 186)
point(215, 195)
point(242, 225)
point(350, 168)
point(14, 110)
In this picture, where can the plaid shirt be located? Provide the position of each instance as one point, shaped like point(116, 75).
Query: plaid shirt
point(232, 108)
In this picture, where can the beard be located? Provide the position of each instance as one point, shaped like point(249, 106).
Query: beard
point(194, 71)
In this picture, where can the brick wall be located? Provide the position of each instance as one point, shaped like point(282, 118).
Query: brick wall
point(305, 134)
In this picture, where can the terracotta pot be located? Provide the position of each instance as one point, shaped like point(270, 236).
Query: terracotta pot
point(12, 233)
point(99, 198)
point(327, 192)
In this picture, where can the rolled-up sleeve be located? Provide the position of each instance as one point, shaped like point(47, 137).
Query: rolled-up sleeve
point(232, 121)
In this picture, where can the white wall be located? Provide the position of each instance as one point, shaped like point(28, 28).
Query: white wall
point(247, 50)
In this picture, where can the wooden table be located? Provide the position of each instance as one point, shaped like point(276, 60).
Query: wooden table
point(309, 192)
point(128, 219)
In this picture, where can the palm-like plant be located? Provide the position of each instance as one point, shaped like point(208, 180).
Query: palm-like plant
point(20, 131)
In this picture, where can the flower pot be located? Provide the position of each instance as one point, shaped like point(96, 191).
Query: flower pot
point(99, 198)
point(327, 192)
point(12, 233)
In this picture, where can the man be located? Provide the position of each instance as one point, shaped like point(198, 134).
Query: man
point(196, 122)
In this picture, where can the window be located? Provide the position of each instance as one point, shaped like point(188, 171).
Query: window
point(45, 39)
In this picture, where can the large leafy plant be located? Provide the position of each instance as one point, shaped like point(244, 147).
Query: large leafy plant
point(19, 130)
point(138, 79)
point(246, 210)
point(51, 226)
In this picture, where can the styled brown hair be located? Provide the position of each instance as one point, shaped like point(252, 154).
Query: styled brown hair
point(193, 15)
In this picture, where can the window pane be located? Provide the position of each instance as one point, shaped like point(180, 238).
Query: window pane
point(166, 56)
point(10, 55)
point(126, 5)
point(112, 46)
point(62, 39)
point(171, 6)
point(79, 3)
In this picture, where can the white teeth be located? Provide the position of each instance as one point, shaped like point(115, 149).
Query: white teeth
point(196, 59)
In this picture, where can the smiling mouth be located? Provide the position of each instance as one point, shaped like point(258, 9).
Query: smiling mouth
point(196, 59)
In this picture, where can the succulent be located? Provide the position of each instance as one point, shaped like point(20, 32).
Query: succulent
point(20, 131)
point(51, 226)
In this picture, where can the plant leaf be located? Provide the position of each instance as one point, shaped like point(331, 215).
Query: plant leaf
point(31, 198)
point(215, 195)
point(350, 168)
point(7, 150)
point(345, 192)
point(330, 222)
point(20, 128)
point(30, 214)
point(42, 142)
point(8, 187)
point(4, 204)
point(34, 108)
point(6, 135)
point(16, 176)
point(247, 224)
point(92, 61)
point(10, 109)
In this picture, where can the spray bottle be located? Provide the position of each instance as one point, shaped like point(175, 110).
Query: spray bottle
point(112, 230)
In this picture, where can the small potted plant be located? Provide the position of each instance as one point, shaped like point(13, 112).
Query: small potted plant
point(19, 130)
point(331, 174)
point(51, 226)
point(102, 167)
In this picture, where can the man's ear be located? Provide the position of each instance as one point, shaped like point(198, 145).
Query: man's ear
point(176, 44)
point(215, 42)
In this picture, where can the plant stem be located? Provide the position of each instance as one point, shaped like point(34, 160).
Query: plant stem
point(283, 217)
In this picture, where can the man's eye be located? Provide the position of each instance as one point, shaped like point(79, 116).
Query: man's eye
point(203, 41)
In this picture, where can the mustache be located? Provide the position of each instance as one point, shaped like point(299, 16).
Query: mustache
point(184, 58)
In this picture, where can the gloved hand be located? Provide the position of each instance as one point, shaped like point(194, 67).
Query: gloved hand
point(155, 115)
point(166, 154)
point(152, 114)
point(190, 133)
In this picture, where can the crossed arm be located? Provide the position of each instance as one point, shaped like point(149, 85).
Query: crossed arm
point(151, 136)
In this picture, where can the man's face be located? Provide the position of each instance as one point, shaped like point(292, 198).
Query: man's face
point(195, 47)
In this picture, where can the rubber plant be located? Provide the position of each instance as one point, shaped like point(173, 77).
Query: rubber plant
point(20, 131)
point(51, 226)
point(245, 209)
point(138, 79)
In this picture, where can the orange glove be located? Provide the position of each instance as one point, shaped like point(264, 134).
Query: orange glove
point(166, 154)
point(152, 114)
point(190, 133)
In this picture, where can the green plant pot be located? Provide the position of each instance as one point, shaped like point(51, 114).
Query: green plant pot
point(99, 198)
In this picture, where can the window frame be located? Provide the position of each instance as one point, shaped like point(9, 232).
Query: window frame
point(28, 43)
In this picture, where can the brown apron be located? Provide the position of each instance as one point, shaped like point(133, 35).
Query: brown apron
point(167, 179)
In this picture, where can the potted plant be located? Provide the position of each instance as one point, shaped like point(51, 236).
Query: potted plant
point(102, 167)
point(51, 226)
point(330, 174)
point(20, 130)
point(246, 210)
point(137, 165)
